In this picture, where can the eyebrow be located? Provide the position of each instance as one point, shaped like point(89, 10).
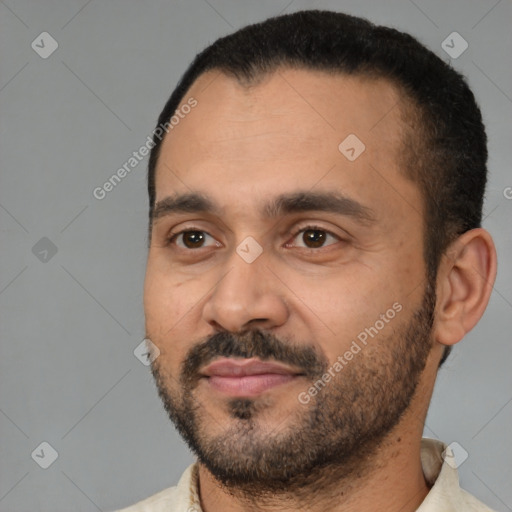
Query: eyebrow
point(283, 204)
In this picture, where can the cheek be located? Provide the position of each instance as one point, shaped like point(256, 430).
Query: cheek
point(165, 298)
point(331, 306)
point(162, 311)
point(171, 307)
point(348, 304)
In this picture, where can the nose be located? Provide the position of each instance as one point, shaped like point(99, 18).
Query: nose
point(248, 295)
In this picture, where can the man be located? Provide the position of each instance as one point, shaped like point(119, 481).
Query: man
point(315, 252)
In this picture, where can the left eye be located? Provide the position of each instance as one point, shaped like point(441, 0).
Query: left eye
point(313, 237)
point(191, 239)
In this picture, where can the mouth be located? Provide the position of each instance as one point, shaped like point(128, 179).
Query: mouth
point(247, 377)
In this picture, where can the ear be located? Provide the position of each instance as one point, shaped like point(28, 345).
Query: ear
point(465, 279)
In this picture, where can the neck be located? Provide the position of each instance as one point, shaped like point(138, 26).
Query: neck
point(390, 479)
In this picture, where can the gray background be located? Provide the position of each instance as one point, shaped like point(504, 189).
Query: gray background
point(71, 320)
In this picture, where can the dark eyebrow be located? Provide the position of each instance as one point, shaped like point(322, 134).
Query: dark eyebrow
point(282, 205)
point(320, 201)
point(183, 203)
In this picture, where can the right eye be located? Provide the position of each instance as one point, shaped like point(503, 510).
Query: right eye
point(191, 239)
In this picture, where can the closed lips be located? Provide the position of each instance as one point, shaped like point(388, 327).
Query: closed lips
point(247, 377)
point(243, 367)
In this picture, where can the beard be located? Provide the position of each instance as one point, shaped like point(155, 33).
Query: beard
point(331, 437)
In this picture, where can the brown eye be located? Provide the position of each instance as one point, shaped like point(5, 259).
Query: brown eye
point(314, 238)
point(193, 239)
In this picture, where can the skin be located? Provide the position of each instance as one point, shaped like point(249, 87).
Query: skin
point(245, 145)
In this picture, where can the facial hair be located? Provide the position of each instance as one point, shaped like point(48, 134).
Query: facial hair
point(335, 433)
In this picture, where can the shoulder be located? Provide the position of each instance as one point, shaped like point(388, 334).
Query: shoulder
point(160, 502)
point(440, 470)
point(472, 504)
point(172, 499)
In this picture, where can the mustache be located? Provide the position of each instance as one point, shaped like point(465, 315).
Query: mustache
point(254, 343)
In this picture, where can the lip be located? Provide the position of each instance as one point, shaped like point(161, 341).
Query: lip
point(247, 377)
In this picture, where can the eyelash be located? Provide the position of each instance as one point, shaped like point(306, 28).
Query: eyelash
point(172, 236)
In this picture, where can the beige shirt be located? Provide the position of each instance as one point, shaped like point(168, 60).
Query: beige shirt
point(445, 494)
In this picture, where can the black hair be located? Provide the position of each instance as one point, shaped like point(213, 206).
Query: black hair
point(445, 146)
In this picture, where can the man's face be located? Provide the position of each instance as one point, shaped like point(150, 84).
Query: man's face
point(276, 272)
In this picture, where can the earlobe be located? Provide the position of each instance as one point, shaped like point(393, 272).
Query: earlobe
point(465, 279)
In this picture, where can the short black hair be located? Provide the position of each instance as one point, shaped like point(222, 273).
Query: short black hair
point(445, 147)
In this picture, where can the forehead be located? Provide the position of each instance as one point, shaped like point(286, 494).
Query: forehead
point(285, 130)
point(327, 106)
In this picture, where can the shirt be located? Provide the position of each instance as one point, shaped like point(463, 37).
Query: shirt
point(438, 464)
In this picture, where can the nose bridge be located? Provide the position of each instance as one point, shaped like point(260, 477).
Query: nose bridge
point(247, 292)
